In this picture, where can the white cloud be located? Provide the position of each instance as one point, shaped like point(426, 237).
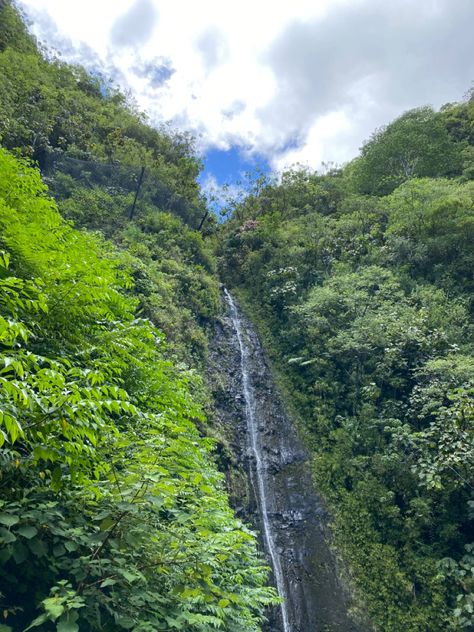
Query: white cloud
point(135, 27)
point(329, 135)
point(306, 80)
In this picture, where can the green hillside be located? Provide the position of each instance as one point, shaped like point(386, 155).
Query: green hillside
point(361, 280)
point(112, 512)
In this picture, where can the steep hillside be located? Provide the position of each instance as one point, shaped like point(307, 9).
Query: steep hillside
point(361, 282)
point(112, 513)
point(91, 145)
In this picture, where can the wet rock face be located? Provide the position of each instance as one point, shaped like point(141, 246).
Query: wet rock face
point(315, 599)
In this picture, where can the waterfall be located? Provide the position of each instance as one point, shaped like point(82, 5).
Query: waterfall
point(293, 518)
point(259, 474)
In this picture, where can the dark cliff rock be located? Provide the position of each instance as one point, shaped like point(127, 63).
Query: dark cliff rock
point(316, 601)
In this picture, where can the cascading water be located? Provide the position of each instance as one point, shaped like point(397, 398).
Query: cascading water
point(281, 497)
point(259, 473)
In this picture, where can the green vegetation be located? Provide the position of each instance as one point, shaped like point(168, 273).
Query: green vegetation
point(361, 280)
point(92, 144)
point(112, 512)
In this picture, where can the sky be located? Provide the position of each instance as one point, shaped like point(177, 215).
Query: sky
point(269, 84)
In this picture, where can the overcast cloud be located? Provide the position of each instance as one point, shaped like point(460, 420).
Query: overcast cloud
point(135, 26)
point(304, 81)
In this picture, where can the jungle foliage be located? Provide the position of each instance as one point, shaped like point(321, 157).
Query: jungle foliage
point(112, 512)
point(91, 145)
point(362, 282)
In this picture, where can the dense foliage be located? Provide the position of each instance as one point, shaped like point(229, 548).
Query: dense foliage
point(112, 512)
point(49, 109)
point(91, 145)
point(362, 281)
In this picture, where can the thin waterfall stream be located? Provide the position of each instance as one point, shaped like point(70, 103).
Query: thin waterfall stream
point(260, 474)
point(270, 483)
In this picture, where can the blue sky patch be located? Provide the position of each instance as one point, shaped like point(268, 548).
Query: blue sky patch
point(225, 176)
point(229, 166)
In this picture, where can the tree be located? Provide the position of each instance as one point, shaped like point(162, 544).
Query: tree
point(417, 144)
